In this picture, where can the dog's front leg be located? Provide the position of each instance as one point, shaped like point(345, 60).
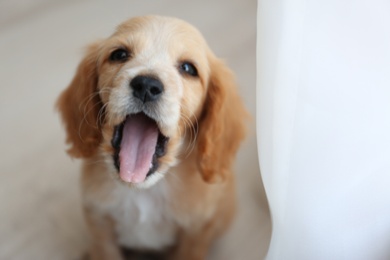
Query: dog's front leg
point(103, 240)
point(193, 245)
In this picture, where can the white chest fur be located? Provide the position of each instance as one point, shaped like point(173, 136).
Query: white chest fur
point(142, 217)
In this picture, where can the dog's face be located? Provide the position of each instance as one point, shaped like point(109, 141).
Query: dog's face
point(146, 69)
point(148, 95)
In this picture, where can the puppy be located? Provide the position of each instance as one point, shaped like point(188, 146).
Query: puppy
point(157, 120)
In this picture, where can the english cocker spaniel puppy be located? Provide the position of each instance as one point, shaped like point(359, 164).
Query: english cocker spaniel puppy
point(157, 120)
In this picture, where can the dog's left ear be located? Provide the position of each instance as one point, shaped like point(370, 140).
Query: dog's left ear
point(222, 124)
point(80, 105)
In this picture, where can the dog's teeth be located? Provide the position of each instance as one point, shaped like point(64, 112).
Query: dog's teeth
point(151, 165)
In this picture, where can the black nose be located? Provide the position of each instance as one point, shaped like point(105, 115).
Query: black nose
point(146, 88)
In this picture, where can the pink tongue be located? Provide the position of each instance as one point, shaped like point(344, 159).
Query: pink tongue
point(139, 139)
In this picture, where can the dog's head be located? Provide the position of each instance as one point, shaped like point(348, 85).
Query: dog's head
point(150, 94)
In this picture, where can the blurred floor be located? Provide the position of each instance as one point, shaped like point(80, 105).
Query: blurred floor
point(40, 46)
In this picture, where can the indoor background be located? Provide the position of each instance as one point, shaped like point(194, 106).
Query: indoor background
point(41, 43)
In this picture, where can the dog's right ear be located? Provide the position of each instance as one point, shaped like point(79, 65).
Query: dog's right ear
point(222, 125)
point(79, 106)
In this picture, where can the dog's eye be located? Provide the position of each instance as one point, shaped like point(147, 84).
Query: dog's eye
point(188, 68)
point(119, 55)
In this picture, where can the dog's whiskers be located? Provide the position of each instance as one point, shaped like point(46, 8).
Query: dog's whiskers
point(187, 125)
point(85, 113)
point(101, 114)
point(193, 131)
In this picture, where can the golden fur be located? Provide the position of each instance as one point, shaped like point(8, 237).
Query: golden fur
point(193, 192)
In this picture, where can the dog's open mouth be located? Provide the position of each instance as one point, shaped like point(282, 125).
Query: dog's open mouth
point(138, 144)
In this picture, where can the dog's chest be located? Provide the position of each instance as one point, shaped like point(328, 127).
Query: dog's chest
point(143, 218)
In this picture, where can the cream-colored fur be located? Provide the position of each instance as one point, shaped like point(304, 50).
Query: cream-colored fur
point(189, 200)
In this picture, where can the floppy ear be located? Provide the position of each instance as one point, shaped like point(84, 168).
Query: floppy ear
point(222, 125)
point(79, 106)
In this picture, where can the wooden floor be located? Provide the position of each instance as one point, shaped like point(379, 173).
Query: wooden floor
point(40, 45)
